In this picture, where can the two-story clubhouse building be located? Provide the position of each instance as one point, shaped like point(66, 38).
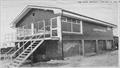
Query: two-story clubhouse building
point(57, 33)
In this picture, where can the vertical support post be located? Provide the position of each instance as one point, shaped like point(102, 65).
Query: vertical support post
point(106, 44)
point(18, 44)
point(44, 27)
point(59, 28)
point(50, 27)
point(31, 46)
point(18, 48)
point(112, 44)
point(22, 44)
point(83, 48)
point(59, 33)
point(23, 31)
point(71, 26)
point(32, 28)
point(97, 49)
point(81, 26)
point(31, 54)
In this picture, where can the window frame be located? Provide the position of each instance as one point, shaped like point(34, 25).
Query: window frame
point(76, 22)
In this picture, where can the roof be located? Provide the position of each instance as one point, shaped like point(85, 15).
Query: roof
point(60, 10)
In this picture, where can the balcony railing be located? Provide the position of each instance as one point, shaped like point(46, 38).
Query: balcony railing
point(27, 32)
point(23, 32)
point(38, 28)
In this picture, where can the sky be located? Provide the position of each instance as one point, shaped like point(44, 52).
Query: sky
point(10, 9)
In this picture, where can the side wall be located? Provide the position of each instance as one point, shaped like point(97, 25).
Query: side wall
point(95, 39)
point(91, 31)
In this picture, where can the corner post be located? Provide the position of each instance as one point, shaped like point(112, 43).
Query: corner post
point(59, 32)
point(81, 26)
point(32, 32)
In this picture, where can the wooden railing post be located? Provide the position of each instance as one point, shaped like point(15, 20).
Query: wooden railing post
point(44, 27)
point(32, 28)
point(50, 27)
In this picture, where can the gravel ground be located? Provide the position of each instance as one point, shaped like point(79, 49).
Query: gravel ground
point(105, 59)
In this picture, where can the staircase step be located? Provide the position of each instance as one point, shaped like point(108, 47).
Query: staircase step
point(19, 59)
point(34, 45)
point(17, 62)
point(13, 64)
point(22, 56)
point(25, 54)
point(29, 49)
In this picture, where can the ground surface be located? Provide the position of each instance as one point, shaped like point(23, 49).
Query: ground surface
point(105, 59)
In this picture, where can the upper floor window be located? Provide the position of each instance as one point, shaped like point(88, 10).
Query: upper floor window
point(70, 20)
point(73, 20)
point(109, 28)
point(77, 21)
point(64, 19)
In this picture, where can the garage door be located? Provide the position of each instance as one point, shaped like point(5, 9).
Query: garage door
point(90, 46)
point(72, 48)
point(101, 45)
point(109, 44)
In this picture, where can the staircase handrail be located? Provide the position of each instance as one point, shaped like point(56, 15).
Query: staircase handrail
point(24, 44)
point(10, 50)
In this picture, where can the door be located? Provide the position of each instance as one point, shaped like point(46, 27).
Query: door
point(101, 45)
point(54, 27)
point(109, 44)
point(90, 46)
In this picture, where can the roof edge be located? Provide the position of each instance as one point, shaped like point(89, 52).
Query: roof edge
point(28, 7)
point(113, 25)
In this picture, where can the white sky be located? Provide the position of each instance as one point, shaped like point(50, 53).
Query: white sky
point(9, 9)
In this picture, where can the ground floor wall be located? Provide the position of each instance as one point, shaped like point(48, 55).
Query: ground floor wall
point(85, 47)
point(72, 47)
point(51, 49)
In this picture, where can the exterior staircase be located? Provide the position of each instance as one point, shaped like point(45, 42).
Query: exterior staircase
point(23, 53)
point(26, 53)
point(31, 42)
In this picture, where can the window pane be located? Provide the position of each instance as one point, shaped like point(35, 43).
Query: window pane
point(69, 19)
point(54, 23)
point(73, 21)
point(76, 28)
point(41, 25)
point(54, 32)
point(64, 19)
point(78, 21)
point(66, 26)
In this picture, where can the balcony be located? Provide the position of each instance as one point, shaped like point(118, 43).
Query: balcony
point(45, 29)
